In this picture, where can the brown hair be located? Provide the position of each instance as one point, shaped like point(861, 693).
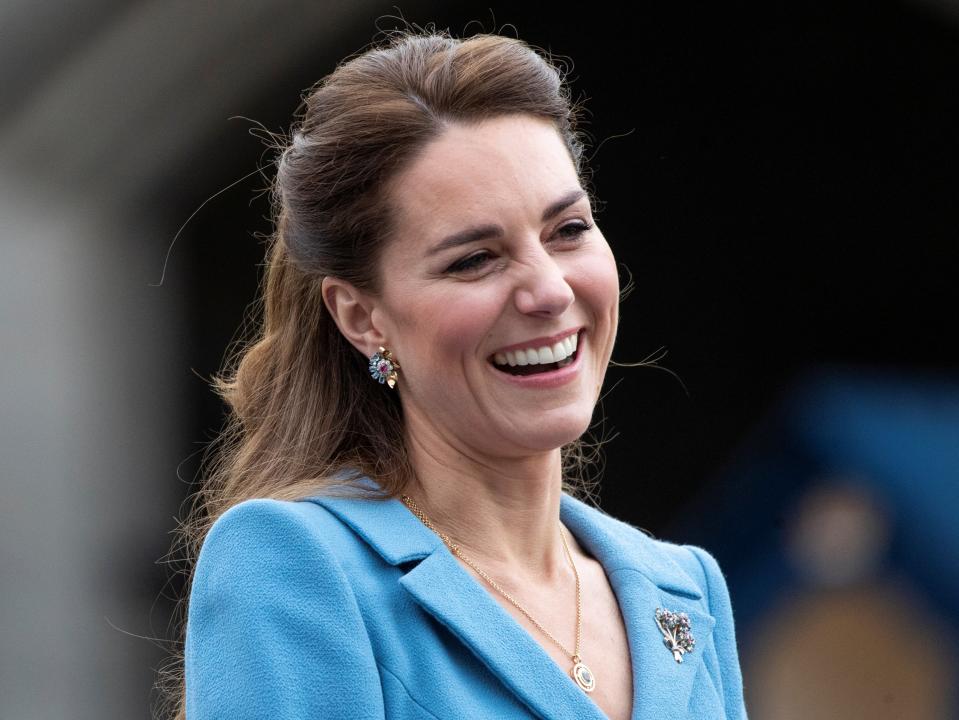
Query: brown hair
point(304, 414)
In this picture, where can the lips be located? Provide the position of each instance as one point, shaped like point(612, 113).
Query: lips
point(537, 369)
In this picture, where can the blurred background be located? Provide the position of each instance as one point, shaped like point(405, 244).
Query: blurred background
point(780, 181)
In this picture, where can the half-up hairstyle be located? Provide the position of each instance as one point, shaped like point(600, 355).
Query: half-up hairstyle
point(304, 416)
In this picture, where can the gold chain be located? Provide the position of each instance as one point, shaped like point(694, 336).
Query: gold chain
point(455, 548)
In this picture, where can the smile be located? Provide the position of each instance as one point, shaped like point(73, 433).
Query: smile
point(537, 360)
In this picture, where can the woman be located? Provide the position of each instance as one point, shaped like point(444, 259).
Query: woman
point(389, 530)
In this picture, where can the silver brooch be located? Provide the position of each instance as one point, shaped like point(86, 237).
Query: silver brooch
point(676, 632)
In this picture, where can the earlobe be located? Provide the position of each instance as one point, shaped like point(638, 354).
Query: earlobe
point(352, 311)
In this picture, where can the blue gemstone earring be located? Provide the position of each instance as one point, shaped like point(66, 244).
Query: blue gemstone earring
point(383, 367)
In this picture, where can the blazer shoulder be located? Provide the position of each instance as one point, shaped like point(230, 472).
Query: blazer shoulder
point(271, 608)
point(703, 568)
point(254, 514)
point(263, 534)
point(707, 567)
point(698, 563)
point(661, 558)
point(716, 590)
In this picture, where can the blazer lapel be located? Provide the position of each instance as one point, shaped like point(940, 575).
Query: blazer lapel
point(454, 597)
point(644, 578)
point(641, 580)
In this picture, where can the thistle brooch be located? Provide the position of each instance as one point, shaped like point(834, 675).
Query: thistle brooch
point(676, 632)
point(383, 367)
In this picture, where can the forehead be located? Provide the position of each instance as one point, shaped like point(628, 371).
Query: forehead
point(484, 172)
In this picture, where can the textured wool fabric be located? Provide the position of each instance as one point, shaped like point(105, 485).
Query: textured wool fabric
point(351, 608)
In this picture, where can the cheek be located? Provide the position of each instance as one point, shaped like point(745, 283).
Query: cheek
point(596, 283)
point(439, 330)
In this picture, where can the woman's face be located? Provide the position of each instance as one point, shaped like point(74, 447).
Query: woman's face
point(496, 254)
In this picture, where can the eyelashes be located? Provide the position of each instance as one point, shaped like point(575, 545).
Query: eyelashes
point(574, 230)
point(571, 232)
point(469, 263)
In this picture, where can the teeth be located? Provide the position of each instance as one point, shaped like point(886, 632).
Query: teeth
point(539, 356)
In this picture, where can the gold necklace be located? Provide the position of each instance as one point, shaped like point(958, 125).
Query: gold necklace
point(580, 672)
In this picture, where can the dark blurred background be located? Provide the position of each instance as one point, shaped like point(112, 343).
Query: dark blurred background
point(780, 181)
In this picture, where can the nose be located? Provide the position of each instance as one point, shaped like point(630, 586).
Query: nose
point(543, 289)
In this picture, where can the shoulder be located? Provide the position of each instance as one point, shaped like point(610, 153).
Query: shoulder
point(270, 610)
point(700, 565)
point(264, 543)
point(265, 516)
point(688, 568)
point(697, 562)
point(706, 569)
point(259, 522)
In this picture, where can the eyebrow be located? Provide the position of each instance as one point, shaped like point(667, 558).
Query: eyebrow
point(483, 232)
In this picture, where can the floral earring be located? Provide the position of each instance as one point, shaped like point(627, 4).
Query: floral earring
point(383, 367)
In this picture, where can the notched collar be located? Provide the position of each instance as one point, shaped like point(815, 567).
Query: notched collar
point(392, 529)
point(643, 577)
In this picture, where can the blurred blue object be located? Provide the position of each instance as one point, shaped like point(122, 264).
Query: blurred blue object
point(894, 435)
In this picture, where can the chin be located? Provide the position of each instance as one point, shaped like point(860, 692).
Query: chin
point(550, 434)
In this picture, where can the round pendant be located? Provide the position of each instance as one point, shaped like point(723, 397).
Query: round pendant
point(584, 677)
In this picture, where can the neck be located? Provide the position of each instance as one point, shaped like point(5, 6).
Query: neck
point(504, 514)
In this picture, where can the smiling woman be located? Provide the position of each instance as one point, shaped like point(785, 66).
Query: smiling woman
point(389, 529)
point(543, 272)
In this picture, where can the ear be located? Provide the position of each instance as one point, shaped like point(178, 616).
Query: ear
point(352, 311)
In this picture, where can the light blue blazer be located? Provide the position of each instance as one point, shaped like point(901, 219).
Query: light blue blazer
point(348, 609)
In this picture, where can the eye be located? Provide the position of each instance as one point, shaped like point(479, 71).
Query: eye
point(573, 230)
point(472, 262)
point(567, 233)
